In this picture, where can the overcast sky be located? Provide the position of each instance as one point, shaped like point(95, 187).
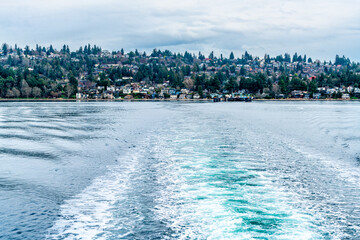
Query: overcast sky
point(318, 28)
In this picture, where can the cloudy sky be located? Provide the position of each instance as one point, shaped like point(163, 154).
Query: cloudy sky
point(318, 28)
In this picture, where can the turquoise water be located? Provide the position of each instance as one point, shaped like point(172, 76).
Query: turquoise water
point(260, 170)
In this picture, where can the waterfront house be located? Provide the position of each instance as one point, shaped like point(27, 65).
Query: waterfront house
point(184, 91)
point(330, 91)
point(182, 96)
point(214, 95)
point(128, 97)
point(80, 96)
point(108, 95)
point(297, 94)
point(196, 96)
point(316, 95)
point(126, 91)
point(345, 96)
point(111, 88)
point(357, 91)
point(172, 91)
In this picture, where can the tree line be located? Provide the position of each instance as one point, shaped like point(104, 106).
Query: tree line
point(47, 72)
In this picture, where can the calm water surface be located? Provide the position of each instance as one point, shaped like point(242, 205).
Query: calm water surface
point(154, 170)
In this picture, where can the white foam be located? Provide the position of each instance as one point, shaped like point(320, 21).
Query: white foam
point(209, 217)
point(89, 214)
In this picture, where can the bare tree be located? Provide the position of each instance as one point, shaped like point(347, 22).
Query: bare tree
point(69, 90)
point(36, 92)
point(53, 86)
point(189, 83)
point(16, 92)
point(25, 89)
point(9, 93)
point(276, 88)
point(53, 94)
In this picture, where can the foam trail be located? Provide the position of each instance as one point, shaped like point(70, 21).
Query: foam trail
point(207, 202)
point(89, 214)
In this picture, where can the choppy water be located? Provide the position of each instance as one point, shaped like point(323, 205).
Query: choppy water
point(261, 170)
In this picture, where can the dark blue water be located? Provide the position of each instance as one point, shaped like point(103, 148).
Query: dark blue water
point(153, 170)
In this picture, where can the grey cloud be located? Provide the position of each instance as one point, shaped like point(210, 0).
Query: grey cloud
point(258, 26)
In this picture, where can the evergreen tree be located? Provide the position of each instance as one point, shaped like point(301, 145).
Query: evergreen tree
point(231, 56)
point(287, 58)
point(5, 49)
point(211, 55)
point(295, 57)
point(27, 50)
point(201, 57)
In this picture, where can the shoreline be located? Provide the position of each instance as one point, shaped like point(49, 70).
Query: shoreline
point(99, 100)
point(309, 100)
point(163, 100)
